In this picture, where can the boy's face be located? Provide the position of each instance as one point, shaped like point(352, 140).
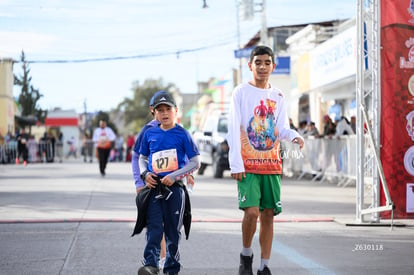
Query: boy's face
point(165, 114)
point(262, 66)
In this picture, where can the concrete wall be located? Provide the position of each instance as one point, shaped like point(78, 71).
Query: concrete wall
point(7, 105)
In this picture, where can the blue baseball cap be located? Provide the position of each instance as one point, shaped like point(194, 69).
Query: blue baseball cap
point(158, 93)
point(164, 98)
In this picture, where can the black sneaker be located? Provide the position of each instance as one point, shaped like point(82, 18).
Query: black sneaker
point(148, 270)
point(265, 271)
point(245, 267)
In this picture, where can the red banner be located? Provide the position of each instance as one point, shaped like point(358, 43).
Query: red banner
point(397, 12)
point(397, 103)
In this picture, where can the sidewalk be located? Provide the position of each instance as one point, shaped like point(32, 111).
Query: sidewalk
point(64, 218)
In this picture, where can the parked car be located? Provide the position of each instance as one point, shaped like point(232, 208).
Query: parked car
point(212, 144)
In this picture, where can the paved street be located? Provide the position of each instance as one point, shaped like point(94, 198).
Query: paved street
point(64, 218)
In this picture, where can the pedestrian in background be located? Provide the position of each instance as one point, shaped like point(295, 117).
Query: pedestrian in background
point(22, 150)
point(329, 128)
point(103, 137)
point(353, 123)
point(130, 146)
point(52, 140)
point(257, 122)
point(119, 148)
point(87, 147)
point(343, 127)
point(312, 130)
point(303, 129)
point(59, 147)
point(73, 147)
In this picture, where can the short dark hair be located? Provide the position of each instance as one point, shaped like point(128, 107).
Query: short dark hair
point(261, 50)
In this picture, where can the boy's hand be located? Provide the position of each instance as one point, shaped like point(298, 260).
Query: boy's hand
point(238, 176)
point(190, 179)
point(150, 181)
point(298, 141)
point(167, 181)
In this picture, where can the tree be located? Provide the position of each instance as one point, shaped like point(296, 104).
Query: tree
point(29, 96)
point(136, 110)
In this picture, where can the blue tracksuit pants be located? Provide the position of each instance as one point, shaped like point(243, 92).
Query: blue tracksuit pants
point(165, 216)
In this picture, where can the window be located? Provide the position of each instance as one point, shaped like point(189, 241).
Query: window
point(222, 125)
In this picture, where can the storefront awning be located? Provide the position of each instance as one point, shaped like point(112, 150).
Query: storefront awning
point(61, 121)
point(342, 89)
point(25, 120)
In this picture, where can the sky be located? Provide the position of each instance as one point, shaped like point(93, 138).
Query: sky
point(90, 53)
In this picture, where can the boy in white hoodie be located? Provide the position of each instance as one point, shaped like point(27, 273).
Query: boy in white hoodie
point(257, 122)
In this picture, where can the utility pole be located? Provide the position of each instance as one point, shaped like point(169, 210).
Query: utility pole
point(85, 113)
point(248, 11)
point(240, 76)
point(263, 31)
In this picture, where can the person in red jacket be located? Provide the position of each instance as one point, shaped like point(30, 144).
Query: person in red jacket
point(130, 145)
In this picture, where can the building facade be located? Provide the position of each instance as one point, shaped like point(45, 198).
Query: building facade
point(7, 103)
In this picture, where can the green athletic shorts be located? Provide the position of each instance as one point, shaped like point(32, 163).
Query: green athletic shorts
point(259, 190)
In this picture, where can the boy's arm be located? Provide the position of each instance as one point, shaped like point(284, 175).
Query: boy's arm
point(233, 136)
point(192, 165)
point(143, 163)
point(136, 171)
point(146, 175)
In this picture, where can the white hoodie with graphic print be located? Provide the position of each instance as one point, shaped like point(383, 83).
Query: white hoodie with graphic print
point(257, 122)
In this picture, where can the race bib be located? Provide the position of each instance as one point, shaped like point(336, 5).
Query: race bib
point(164, 161)
point(104, 142)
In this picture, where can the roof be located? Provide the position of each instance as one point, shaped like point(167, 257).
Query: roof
point(256, 38)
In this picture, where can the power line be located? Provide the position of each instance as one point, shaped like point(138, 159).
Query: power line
point(140, 56)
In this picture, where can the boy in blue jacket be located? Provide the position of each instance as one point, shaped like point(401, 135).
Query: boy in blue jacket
point(167, 154)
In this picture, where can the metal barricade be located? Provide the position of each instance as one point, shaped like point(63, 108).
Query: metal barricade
point(324, 159)
point(349, 155)
point(8, 152)
point(333, 158)
point(2, 154)
point(42, 151)
point(46, 151)
point(292, 158)
point(59, 150)
point(312, 162)
point(33, 150)
point(87, 150)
